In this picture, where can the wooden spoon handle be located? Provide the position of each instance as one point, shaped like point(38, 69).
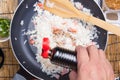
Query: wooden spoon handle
point(65, 8)
point(100, 23)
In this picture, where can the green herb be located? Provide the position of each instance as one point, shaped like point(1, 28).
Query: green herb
point(4, 27)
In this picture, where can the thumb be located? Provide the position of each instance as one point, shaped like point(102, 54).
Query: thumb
point(73, 75)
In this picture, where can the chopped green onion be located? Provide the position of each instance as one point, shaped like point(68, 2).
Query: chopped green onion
point(4, 27)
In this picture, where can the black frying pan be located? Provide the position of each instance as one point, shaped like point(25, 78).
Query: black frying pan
point(24, 53)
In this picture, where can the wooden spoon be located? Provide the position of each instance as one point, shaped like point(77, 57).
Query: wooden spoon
point(65, 9)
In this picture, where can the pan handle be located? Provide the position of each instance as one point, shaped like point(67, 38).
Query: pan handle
point(18, 77)
point(2, 58)
point(23, 75)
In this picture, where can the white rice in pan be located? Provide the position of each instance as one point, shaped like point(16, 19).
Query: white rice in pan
point(66, 33)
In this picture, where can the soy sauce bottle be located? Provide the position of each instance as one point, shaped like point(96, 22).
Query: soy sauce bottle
point(59, 56)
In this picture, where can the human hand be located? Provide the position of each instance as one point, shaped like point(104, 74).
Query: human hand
point(92, 65)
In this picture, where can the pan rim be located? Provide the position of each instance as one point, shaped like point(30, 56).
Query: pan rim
point(104, 20)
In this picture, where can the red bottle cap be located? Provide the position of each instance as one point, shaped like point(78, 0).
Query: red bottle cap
point(45, 47)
